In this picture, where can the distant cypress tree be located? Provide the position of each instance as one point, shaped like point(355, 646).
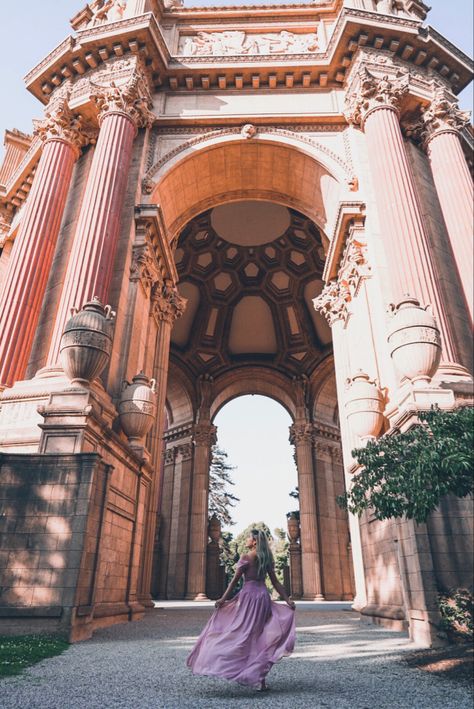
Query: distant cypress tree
point(221, 500)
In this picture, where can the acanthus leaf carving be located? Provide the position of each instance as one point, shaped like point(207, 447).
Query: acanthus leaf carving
point(144, 267)
point(301, 433)
point(167, 304)
point(131, 98)
point(6, 215)
point(375, 92)
point(442, 114)
point(204, 434)
point(62, 124)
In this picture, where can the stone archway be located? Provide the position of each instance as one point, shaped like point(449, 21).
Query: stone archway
point(249, 327)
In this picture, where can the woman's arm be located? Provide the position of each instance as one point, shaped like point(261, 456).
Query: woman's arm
point(229, 588)
point(280, 589)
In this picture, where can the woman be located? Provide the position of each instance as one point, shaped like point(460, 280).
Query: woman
point(245, 636)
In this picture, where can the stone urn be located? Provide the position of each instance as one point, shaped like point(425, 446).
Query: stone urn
point(137, 407)
point(214, 529)
point(86, 342)
point(293, 525)
point(364, 405)
point(414, 340)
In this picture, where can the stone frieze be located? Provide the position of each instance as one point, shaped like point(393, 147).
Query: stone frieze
point(235, 42)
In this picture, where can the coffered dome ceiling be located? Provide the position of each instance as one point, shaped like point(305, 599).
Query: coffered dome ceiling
point(249, 271)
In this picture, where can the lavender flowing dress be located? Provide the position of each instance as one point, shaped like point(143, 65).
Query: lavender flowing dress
point(247, 635)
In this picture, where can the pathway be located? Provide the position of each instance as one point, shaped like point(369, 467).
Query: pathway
point(338, 663)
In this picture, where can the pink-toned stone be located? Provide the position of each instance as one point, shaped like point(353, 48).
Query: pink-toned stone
point(31, 258)
point(455, 191)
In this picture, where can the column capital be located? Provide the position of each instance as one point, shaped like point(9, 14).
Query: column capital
point(144, 267)
point(442, 115)
point(6, 215)
point(204, 434)
point(60, 123)
point(374, 92)
point(131, 99)
point(301, 433)
point(332, 302)
point(167, 304)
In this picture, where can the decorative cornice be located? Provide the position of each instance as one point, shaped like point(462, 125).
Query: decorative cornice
point(167, 304)
point(375, 92)
point(60, 123)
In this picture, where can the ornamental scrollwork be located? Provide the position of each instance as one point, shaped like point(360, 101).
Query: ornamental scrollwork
point(332, 302)
point(143, 267)
point(6, 215)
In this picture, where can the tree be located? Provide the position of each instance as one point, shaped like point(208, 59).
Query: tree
point(408, 473)
point(221, 500)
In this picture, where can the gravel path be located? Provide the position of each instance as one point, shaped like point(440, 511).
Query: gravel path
point(338, 663)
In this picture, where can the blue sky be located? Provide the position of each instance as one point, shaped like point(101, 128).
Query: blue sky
point(253, 430)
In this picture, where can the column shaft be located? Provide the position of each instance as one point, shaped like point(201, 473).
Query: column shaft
point(90, 264)
point(204, 438)
point(406, 245)
point(31, 259)
point(160, 374)
point(310, 556)
point(455, 192)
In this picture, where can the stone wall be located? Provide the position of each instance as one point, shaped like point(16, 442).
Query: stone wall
point(51, 509)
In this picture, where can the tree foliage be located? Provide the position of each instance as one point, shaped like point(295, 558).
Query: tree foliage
point(407, 474)
point(221, 500)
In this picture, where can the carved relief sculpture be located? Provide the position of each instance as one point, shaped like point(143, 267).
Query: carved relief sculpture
point(240, 42)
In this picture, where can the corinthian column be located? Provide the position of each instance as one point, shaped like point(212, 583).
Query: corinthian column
point(204, 437)
point(122, 110)
point(30, 262)
point(301, 436)
point(167, 305)
point(443, 122)
point(375, 106)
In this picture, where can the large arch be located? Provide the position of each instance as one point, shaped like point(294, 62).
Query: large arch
point(234, 168)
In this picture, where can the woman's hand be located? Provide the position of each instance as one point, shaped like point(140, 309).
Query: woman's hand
point(219, 603)
point(292, 604)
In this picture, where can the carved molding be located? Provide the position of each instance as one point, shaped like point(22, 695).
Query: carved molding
point(375, 92)
point(166, 303)
point(353, 267)
point(149, 184)
point(61, 123)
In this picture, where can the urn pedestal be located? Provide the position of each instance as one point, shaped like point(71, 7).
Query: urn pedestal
point(364, 406)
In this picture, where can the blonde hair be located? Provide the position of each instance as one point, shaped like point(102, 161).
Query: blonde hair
point(264, 553)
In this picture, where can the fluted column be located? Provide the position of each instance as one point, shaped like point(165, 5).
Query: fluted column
point(90, 267)
point(442, 123)
point(32, 255)
point(301, 436)
point(166, 305)
point(204, 437)
point(411, 267)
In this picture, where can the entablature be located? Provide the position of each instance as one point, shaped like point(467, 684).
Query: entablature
point(255, 49)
